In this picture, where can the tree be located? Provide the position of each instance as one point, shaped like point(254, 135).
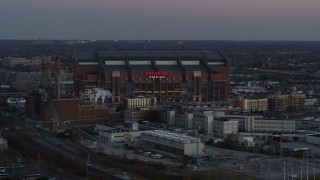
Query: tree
point(127, 137)
point(231, 141)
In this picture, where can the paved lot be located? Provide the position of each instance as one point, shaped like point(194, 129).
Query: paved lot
point(292, 145)
point(118, 150)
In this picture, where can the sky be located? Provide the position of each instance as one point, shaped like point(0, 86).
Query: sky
point(160, 19)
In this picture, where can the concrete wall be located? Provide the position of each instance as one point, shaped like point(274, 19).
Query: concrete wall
point(191, 149)
point(313, 139)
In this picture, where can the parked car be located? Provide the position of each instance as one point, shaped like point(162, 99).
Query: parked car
point(156, 156)
point(147, 153)
point(2, 169)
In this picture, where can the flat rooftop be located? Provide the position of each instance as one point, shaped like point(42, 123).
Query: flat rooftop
point(172, 136)
point(314, 135)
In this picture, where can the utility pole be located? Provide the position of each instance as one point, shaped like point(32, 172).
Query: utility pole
point(301, 171)
point(13, 170)
point(284, 170)
point(88, 157)
point(307, 169)
point(281, 137)
point(303, 161)
point(292, 171)
point(269, 169)
point(39, 162)
point(314, 170)
point(197, 145)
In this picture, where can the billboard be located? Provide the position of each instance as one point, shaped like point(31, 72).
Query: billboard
point(157, 75)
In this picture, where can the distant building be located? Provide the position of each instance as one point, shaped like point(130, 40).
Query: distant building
point(137, 115)
point(12, 62)
point(296, 101)
point(133, 116)
point(278, 102)
point(184, 120)
point(285, 102)
point(310, 102)
point(170, 117)
point(162, 116)
point(115, 134)
point(249, 89)
point(204, 120)
point(253, 124)
point(172, 143)
point(223, 127)
point(70, 110)
point(249, 105)
point(140, 101)
point(313, 139)
point(26, 80)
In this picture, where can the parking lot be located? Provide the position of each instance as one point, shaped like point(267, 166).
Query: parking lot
point(254, 164)
point(123, 151)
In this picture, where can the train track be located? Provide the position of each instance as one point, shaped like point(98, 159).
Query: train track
point(46, 140)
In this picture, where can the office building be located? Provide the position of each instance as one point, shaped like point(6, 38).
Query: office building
point(203, 120)
point(253, 124)
point(249, 105)
point(222, 127)
point(133, 103)
point(286, 102)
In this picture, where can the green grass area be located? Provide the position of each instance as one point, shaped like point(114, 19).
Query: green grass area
point(10, 165)
point(6, 164)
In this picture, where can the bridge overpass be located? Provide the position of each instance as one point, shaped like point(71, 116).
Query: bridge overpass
point(285, 72)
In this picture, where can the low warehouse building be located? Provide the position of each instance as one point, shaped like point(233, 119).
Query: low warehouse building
point(313, 138)
point(173, 143)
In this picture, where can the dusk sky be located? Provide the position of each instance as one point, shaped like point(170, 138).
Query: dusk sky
point(161, 19)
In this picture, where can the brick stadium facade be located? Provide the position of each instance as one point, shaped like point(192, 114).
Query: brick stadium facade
point(168, 75)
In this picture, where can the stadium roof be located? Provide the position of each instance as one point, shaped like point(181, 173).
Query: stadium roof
point(110, 69)
point(105, 55)
point(86, 56)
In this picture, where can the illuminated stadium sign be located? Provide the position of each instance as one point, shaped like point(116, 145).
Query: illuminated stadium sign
point(157, 75)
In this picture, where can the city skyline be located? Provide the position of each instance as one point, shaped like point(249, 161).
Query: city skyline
point(161, 20)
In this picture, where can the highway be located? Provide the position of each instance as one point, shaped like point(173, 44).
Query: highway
point(286, 72)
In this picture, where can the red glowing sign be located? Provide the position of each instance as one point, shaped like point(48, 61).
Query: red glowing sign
point(155, 75)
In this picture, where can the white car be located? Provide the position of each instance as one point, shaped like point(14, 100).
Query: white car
point(147, 153)
point(2, 169)
point(156, 156)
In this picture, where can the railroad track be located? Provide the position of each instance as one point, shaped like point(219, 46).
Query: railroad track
point(48, 141)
